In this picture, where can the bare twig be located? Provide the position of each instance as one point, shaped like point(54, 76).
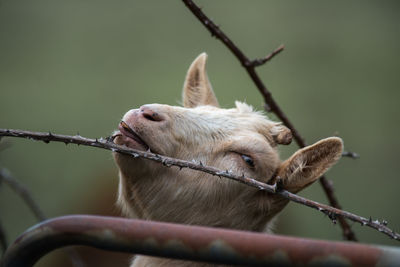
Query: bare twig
point(270, 103)
point(26, 195)
point(332, 212)
point(262, 61)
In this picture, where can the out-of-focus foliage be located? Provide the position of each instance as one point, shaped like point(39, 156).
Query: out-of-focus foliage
point(77, 66)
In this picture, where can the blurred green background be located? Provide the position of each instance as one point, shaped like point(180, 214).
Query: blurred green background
point(78, 66)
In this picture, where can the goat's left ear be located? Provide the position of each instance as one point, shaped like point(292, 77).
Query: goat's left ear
point(309, 163)
point(197, 90)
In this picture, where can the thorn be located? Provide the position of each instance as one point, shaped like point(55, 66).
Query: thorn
point(332, 216)
point(274, 188)
point(201, 163)
point(384, 222)
point(49, 135)
point(370, 219)
point(394, 235)
point(165, 163)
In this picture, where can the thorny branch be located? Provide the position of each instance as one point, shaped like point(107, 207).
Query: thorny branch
point(270, 104)
point(333, 213)
point(25, 194)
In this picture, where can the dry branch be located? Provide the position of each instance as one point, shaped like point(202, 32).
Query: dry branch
point(270, 103)
point(262, 61)
point(332, 212)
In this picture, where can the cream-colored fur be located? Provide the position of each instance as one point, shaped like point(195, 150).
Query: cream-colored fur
point(239, 139)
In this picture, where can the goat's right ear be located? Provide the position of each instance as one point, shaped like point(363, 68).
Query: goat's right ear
point(197, 90)
point(309, 163)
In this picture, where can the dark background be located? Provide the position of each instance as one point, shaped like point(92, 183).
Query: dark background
point(78, 66)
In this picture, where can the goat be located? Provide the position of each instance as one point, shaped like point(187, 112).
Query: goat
point(239, 139)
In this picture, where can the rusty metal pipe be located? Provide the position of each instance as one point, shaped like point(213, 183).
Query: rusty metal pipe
point(190, 243)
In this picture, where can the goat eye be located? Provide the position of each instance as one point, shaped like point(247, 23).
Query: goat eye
point(249, 161)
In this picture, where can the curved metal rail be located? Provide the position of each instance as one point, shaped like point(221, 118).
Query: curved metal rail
point(190, 243)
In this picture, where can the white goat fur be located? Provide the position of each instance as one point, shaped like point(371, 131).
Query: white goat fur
point(223, 138)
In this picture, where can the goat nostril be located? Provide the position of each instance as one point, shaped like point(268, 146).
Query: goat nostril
point(151, 115)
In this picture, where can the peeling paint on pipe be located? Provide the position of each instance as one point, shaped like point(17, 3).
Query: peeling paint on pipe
point(191, 243)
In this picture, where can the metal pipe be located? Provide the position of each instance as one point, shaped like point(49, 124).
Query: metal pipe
point(190, 243)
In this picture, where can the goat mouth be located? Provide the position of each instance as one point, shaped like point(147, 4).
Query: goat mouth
point(128, 132)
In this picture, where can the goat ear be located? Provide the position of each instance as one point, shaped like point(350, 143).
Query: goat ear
point(197, 90)
point(281, 134)
point(309, 163)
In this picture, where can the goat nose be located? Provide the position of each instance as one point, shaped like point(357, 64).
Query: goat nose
point(150, 114)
